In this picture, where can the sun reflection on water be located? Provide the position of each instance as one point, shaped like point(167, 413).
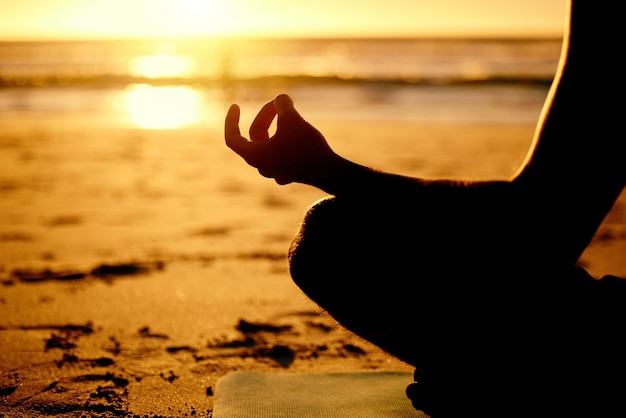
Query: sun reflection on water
point(163, 107)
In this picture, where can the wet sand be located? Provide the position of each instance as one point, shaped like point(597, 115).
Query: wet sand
point(138, 267)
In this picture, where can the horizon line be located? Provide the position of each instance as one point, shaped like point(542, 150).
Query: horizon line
point(236, 37)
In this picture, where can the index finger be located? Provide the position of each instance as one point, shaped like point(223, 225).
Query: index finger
point(259, 130)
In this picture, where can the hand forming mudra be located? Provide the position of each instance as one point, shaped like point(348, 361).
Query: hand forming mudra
point(297, 152)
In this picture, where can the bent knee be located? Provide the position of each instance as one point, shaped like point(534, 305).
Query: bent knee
point(311, 248)
point(339, 239)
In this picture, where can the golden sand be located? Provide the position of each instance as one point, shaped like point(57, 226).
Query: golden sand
point(137, 267)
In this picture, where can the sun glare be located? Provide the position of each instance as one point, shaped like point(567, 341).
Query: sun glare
point(196, 17)
point(69, 19)
point(165, 107)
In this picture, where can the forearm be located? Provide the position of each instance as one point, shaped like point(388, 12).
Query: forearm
point(342, 177)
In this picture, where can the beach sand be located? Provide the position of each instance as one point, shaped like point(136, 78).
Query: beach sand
point(138, 267)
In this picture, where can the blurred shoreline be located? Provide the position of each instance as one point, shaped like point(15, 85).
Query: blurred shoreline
point(349, 79)
point(222, 61)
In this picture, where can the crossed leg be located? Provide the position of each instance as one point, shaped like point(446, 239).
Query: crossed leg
point(459, 280)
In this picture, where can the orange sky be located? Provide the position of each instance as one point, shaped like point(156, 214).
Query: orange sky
point(46, 19)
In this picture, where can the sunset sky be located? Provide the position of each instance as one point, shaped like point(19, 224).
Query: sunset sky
point(70, 19)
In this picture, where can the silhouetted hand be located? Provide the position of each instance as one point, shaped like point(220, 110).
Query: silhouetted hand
point(297, 152)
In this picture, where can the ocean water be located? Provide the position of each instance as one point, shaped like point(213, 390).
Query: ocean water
point(177, 83)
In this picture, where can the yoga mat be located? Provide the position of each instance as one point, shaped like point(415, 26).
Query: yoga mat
point(246, 394)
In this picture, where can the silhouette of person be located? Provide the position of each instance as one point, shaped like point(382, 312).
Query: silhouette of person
point(475, 283)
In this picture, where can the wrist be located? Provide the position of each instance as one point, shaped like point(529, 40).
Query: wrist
point(339, 176)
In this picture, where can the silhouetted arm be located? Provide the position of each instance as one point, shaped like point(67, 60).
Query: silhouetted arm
point(298, 152)
point(576, 167)
point(574, 172)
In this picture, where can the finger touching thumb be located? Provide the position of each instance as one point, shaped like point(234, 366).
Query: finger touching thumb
point(284, 105)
